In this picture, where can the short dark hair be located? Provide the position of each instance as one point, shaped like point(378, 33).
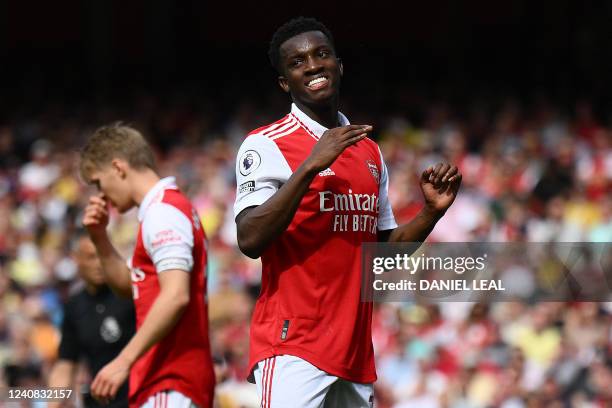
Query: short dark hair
point(289, 30)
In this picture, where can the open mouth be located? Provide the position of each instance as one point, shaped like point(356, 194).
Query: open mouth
point(318, 83)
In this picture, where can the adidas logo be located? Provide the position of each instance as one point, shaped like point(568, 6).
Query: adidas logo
point(327, 172)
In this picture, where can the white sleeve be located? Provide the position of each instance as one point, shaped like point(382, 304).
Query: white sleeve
point(386, 220)
point(261, 169)
point(168, 238)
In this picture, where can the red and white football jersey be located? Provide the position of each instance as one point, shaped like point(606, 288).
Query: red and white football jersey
point(171, 237)
point(310, 304)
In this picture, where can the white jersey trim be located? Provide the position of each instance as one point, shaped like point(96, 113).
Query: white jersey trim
point(155, 195)
point(273, 127)
point(289, 381)
point(312, 127)
point(386, 219)
point(295, 126)
point(287, 125)
point(168, 399)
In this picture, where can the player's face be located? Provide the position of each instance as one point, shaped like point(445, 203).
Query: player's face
point(88, 262)
point(311, 69)
point(111, 182)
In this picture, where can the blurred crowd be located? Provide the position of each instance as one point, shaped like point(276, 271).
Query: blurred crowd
point(531, 173)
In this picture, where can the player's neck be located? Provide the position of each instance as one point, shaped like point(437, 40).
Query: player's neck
point(142, 182)
point(324, 115)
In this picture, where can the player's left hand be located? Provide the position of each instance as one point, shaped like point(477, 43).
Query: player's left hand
point(106, 384)
point(440, 185)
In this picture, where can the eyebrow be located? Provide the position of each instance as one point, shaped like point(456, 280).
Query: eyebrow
point(300, 53)
point(294, 54)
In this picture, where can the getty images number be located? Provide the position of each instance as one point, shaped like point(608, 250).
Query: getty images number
point(39, 394)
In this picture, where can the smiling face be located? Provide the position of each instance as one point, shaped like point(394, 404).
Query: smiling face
point(311, 70)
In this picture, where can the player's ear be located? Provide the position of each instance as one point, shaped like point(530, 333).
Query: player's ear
point(282, 81)
point(120, 167)
point(341, 65)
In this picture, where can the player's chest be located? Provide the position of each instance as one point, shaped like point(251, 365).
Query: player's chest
point(357, 170)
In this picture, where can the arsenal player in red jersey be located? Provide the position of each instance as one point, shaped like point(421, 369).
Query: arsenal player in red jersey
point(168, 358)
point(311, 188)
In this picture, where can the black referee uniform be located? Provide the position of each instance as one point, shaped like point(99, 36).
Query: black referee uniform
point(96, 327)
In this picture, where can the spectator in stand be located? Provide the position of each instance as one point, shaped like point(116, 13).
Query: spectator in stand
point(529, 171)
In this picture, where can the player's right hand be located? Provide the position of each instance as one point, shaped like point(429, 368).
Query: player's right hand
point(95, 218)
point(333, 142)
point(108, 380)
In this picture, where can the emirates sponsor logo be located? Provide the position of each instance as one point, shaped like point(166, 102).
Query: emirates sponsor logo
point(329, 201)
point(351, 211)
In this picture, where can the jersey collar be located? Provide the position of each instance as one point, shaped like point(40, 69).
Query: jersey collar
point(156, 194)
point(313, 126)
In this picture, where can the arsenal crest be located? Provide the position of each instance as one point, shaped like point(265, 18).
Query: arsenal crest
point(373, 170)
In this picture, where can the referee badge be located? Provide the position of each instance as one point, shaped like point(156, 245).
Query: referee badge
point(110, 330)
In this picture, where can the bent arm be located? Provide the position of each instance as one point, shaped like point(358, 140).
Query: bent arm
point(416, 230)
point(440, 186)
point(116, 272)
point(263, 210)
point(164, 314)
point(260, 225)
point(95, 220)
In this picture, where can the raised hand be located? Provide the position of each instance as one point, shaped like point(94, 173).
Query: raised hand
point(440, 185)
point(109, 379)
point(95, 218)
point(333, 142)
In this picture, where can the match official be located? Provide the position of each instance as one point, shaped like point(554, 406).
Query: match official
point(97, 325)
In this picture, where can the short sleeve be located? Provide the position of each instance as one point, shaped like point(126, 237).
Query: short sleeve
point(386, 220)
point(69, 345)
point(261, 169)
point(167, 235)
